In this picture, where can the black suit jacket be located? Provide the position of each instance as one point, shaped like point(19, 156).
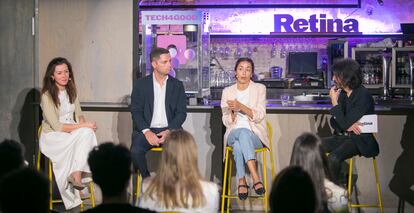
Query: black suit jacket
point(142, 103)
point(348, 111)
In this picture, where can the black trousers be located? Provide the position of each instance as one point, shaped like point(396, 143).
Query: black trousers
point(340, 148)
point(139, 149)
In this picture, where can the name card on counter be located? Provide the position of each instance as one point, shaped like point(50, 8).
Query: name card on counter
point(369, 124)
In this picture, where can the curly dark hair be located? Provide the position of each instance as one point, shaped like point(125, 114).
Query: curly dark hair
point(348, 72)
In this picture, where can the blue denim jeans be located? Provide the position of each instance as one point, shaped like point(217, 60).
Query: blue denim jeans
point(244, 142)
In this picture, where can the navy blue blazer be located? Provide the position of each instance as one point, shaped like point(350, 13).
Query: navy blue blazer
point(142, 103)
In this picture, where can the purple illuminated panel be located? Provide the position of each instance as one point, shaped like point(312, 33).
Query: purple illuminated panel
point(372, 18)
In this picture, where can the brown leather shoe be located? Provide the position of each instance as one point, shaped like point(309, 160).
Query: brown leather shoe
point(76, 185)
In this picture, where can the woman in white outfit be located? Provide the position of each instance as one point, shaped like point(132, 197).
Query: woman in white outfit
point(178, 186)
point(66, 137)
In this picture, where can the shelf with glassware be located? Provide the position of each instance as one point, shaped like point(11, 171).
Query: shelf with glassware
point(271, 56)
point(402, 67)
point(375, 74)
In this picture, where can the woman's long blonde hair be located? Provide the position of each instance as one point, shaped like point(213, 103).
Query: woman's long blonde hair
point(177, 183)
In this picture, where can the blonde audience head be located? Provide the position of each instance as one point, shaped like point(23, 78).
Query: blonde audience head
point(177, 183)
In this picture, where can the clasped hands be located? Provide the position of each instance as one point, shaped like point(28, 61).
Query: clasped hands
point(156, 139)
point(89, 124)
point(355, 128)
point(234, 105)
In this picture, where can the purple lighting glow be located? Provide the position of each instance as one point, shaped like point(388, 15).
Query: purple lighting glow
point(372, 18)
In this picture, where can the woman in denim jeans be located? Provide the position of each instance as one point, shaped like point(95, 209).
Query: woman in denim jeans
point(244, 110)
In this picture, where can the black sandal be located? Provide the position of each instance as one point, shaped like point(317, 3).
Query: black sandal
point(243, 196)
point(259, 191)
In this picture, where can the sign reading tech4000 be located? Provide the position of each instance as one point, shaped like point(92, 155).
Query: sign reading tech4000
point(286, 23)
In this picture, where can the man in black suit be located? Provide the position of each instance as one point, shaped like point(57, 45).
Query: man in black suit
point(350, 101)
point(158, 105)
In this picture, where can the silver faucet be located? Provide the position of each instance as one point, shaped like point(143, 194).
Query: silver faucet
point(386, 58)
point(410, 58)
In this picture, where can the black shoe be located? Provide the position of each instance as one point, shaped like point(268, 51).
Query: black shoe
point(243, 196)
point(259, 191)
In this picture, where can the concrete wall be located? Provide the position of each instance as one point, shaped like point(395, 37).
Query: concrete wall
point(96, 37)
point(17, 72)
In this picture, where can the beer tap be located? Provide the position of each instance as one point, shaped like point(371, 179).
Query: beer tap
point(386, 58)
point(410, 59)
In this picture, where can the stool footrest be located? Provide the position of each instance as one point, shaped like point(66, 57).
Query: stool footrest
point(364, 206)
point(237, 197)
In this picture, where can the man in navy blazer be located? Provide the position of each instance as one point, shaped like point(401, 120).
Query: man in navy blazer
point(158, 105)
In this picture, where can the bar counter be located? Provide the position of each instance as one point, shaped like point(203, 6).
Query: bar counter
point(395, 124)
point(395, 107)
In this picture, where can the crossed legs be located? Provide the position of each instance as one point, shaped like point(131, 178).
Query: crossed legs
point(244, 143)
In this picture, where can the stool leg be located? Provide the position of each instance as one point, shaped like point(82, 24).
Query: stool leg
point(350, 184)
point(38, 160)
point(138, 187)
point(272, 163)
point(229, 185)
point(265, 181)
point(378, 185)
point(92, 194)
point(50, 185)
point(223, 193)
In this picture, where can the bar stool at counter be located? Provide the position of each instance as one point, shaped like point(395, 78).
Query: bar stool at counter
point(52, 201)
point(226, 194)
point(139, 178)
point(357, 205)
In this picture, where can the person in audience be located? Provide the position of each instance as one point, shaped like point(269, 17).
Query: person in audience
point(111, 170)
point(11, 156)
point(293, 191)
point(66, 137)
point(244, 110)
point(350, 101)
point(158, 105)
point(24, 190)
point(308, 153)
point(177, 185)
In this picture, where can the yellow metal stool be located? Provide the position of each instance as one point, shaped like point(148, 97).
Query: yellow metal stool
point(356, 205)
point(226, 196)
point(139, 178)
point(52, 201)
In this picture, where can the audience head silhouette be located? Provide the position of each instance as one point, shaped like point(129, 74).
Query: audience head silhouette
point(24, 190)
point(177, 183)
point(110, 165)
point(293, 191)
point(11, 156)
